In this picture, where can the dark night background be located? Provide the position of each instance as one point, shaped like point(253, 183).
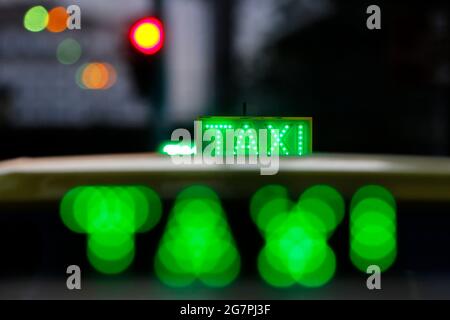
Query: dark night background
point(369, 91)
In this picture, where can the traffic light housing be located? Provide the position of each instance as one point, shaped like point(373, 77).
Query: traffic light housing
point(145, 55)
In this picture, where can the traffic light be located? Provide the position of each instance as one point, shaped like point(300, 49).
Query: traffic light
point(147, 35)
point(145, 43)
point(146, 40)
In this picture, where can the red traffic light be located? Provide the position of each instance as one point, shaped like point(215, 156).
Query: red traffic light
point(147, 35)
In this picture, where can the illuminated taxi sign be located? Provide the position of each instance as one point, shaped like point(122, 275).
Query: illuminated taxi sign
point(291, 136)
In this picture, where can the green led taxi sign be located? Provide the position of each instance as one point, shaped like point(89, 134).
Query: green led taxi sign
point(287, 136)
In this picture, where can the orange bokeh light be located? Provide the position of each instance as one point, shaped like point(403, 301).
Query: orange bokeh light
point(57, 19)
point(97, 76)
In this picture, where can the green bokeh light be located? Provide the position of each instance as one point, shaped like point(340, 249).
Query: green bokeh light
point(265, 195)
point(373, 191)
point(68, 51)
point(36, 19)
point(110, 267)
point(274, 276)
point(319, 214)
point(111, 245)
point(296, 252)
point(198, 192)
point(67, 212)
point(364, 216)
point(197, 243)
point(146, 200)
point(384, 262)
point(323, 272)
point(330, 196)
point(373, 243)
point(296, 249)
point(110, 215)
point(373, 228)
point(270, 214)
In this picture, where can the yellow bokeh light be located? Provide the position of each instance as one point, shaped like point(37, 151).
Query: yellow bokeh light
point(147, 35)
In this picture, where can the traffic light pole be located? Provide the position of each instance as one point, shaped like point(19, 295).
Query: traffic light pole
point(157, 93)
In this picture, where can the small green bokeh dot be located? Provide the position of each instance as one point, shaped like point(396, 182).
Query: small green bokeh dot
point(69, 51)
